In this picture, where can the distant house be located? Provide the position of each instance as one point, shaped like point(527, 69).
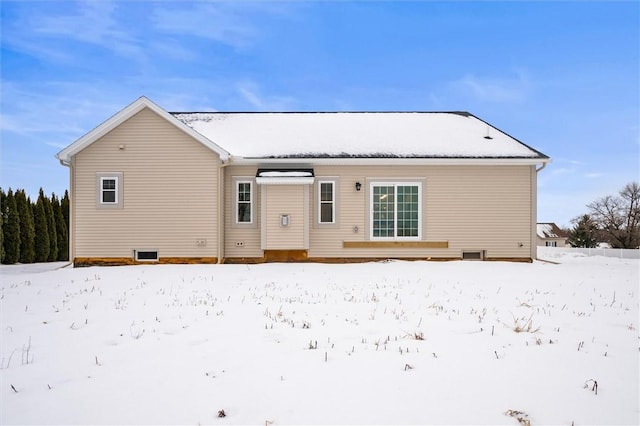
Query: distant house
point(550, 235)
point(152, 186)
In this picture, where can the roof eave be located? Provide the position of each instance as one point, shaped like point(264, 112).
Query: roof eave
point(374, 161)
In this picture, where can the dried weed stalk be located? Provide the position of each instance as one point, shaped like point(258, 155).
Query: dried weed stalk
point(522, 417)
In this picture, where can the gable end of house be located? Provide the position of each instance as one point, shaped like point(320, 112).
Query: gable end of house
point(123, 115)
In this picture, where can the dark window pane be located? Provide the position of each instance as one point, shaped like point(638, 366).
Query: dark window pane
point(326, 191)
point(326, 212)
point(244, 212)
point(108, 196)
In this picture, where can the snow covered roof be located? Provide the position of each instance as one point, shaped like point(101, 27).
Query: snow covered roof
point(357, 135)
point(284, 173)
point(549, 230)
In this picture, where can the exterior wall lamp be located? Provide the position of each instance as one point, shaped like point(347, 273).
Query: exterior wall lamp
point(358, 186)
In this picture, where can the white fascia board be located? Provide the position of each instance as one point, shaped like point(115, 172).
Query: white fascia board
point(391, 161)
point(126, 113)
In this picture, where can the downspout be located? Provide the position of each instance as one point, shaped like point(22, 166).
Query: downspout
point(221, 218)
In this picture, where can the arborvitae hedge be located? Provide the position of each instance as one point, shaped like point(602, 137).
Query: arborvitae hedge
point(27, 228)
point(64, 205)
point(11, 229)
point(3, 202)
point(33, 232)
point(42, 246)
point(61, 229)
point(51, 227)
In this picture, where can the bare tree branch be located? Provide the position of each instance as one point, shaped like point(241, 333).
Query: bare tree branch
point(619, 216)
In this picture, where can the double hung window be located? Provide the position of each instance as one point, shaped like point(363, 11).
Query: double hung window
point(109, 194)
point(326, 202)
point(108, 190)
point(244, 201)
point(396, 210)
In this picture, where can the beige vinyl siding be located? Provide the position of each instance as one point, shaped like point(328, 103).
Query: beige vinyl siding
point(243, 240)
point(288, 200)
point(169, 192)
point(471, 207)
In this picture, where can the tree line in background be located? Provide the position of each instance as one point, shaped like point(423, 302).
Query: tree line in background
point(34, 232)
point(613, 219)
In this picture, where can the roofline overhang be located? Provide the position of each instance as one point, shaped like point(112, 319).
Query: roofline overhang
point(361, 161)
point(126, 113)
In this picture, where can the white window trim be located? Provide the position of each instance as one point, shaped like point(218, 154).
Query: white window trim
point(102, 190)
point(236, 202)
point(333, 202)
point(395, 184)
point(137, 259)
point(100, 178)
point(315, 208)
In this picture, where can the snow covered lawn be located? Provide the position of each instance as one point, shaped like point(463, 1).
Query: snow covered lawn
point(376, 343)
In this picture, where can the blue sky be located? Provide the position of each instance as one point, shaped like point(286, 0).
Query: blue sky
point(562, 77)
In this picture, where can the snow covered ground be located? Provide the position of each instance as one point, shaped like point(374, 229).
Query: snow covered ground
point(376, 343)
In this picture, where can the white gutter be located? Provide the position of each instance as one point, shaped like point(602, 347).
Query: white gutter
point(221, 236)
point(244, 161)
point(544, 164)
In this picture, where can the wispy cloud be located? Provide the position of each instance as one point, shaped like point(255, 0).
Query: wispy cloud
point(561, 171)
point(221, 22)
point(594, 175)
point(55, 113)
point(501, 89)
point(94, 23)
point(170, 48)
point(44, 33)
point(251, 93)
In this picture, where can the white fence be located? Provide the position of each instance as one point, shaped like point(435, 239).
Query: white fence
point(607, 252)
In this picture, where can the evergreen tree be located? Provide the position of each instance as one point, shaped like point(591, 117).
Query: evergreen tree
point(61, 229)
point(42, 232)
point(3, 201)
point(11, 227)
point(64, 204)
point(584, 232)
point(27, 228)
point(51, 227)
